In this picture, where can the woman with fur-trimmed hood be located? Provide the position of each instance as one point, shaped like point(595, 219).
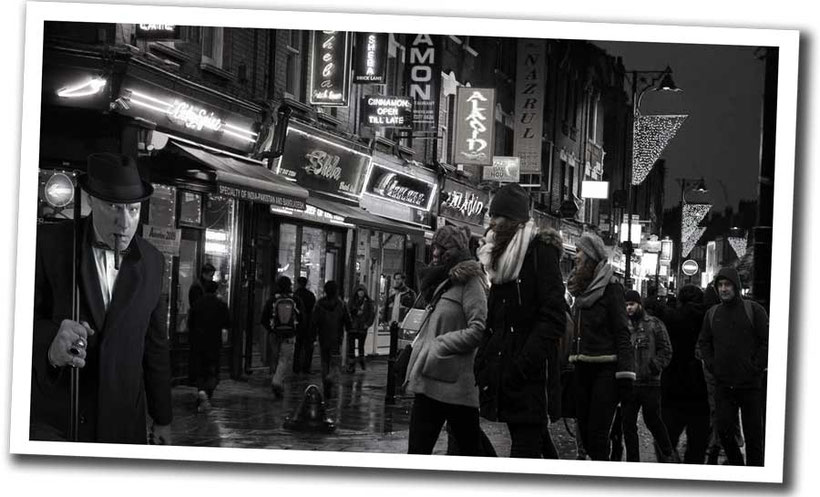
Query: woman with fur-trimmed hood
point(526, 317)
point(440, 369)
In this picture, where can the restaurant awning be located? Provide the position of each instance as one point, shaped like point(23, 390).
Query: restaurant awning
point(244, 179)
point(360, 217)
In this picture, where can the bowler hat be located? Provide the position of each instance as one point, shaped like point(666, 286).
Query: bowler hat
point(114, 178)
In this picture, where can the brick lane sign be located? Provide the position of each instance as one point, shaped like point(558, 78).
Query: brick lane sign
point(370, 58)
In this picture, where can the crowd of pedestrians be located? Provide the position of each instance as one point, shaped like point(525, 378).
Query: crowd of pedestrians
point(503, 338)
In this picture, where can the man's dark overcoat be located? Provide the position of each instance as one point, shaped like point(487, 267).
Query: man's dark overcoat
point(127, 371)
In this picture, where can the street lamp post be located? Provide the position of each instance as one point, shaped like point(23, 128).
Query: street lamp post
point(664, 83)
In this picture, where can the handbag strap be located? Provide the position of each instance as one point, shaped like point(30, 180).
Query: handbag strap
point(440, 290)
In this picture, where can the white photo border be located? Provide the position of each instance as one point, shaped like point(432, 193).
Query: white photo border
point(786, 40)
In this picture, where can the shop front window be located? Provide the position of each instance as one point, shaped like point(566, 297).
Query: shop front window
point(219, 241)
point(286, 259)
point(313, 264)
point(162, 213)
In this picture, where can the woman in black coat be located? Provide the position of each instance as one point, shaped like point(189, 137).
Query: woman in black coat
point(601, 349)
point(525, 321)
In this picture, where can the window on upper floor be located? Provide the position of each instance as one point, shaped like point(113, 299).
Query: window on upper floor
point(595, 120)
point(213, 47)
point(293, 65)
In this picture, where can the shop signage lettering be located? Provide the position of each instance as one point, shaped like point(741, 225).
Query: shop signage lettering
point(475, 126)
point(387, 112)
point(371, 58)
point(331, 66)
point(166, 240)
point(503, 170)
point(194, 117)
point(185, 115)
point(423, 74)
point(401, 188)
point(529, 104)
point(323, 164)
point(464, 203)
point(157, 31)
point(265, 198)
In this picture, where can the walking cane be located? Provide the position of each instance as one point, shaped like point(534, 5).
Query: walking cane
point(74, 392)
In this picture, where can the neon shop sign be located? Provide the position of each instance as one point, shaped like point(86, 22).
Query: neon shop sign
point(186, 114)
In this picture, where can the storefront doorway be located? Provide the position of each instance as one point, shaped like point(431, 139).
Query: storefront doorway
point(280, 246)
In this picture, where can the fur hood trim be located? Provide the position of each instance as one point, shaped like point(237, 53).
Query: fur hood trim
point(464, 270)
point(551, 237)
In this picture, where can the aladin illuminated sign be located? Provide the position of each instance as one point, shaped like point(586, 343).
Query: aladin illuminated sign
point(475, 126)
point(186, 114)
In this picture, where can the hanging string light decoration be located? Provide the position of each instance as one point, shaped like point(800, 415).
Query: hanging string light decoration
point(739, 245)
point(693, 214)
point(689, 243)
point(650, 135)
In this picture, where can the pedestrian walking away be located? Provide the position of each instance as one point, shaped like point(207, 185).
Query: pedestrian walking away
point(440, 369)
point(330, 319)
point(526, 321)
point(208, 317)
point(733, 344)
point(684, 398)
point(303, 350)
point(361, 311)
point(119, 335)
point(652, 352)
point(601, 349)
point(282, 317)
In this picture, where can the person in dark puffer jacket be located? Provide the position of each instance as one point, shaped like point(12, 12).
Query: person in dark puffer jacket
point(329, 321)
point(684, 399)
point(526, 319)
point(734, 346)
point(601, 349)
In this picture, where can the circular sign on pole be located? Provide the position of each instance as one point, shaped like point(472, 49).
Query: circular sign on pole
point(59, 190)
point(689, 267)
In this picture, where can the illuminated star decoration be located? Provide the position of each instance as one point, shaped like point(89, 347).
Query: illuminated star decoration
point(689, 243)
point(650, 135)
point(739, 245)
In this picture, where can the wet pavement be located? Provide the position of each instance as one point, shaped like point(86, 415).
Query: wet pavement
point(248, 415)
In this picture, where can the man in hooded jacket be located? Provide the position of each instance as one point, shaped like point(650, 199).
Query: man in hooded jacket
point(734, 346)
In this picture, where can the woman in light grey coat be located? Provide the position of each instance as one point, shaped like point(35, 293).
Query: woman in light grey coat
point(440, 370)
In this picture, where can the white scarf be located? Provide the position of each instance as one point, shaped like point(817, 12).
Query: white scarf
point(510, 262)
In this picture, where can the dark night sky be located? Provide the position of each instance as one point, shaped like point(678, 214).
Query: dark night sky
point(723, 91)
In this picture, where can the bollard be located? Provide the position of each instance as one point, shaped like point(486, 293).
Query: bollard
point(390, 395)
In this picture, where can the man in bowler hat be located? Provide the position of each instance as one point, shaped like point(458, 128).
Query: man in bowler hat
point(123, 359)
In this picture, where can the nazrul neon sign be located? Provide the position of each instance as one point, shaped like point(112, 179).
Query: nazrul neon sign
point(188, 115)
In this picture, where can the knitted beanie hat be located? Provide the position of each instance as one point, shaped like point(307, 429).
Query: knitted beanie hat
point(511, 201)
point(632, 296)
point(592, 245)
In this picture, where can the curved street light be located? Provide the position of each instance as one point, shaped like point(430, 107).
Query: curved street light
point(660, 81)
